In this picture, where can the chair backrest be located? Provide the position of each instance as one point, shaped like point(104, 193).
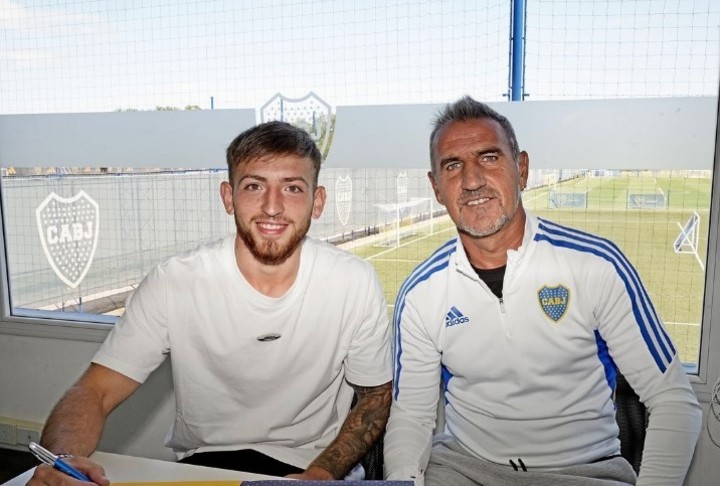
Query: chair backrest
point(373, 461)
point(632, 418)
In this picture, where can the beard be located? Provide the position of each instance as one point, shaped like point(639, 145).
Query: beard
point(271, 252)
point(486, 228)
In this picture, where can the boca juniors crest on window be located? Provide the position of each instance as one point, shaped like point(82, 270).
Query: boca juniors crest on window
point(343, 198)
point(69, 233)
point(554, 301)
point(311, 113)
point(402, 187)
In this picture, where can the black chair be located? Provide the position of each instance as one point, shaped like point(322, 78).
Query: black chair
point(632, 418)
point(373, 461)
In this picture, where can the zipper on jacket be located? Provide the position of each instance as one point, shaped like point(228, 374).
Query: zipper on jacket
point(505, 322)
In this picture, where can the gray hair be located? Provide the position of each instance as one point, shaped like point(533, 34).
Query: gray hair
point(464, 109)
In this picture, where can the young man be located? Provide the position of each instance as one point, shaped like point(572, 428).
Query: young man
point(268, 330)
point(524, 321)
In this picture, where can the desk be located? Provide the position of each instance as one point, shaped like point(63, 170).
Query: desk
point(127, 468)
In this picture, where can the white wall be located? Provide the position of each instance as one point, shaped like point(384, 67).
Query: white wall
point(35, 372)
point(705, 468)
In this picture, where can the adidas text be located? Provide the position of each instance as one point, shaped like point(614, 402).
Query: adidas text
point(455, 321)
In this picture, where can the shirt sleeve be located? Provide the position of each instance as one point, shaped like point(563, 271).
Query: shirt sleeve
point(673, 431)
point(369, 362)
point(415, 397)
point(139, 343)
point(645, 354)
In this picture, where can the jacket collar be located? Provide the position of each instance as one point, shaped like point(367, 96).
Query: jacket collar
point(462, 261)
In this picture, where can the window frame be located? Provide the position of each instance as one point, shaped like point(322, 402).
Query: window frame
point(709, 363)
point(45, 324)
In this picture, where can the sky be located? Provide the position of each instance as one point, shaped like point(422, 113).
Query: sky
point(105, 55)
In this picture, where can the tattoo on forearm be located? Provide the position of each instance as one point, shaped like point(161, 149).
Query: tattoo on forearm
point(365, 424)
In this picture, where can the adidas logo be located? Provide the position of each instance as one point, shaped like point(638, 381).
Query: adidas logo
point(455, 317)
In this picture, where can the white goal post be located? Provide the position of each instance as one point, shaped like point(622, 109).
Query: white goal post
point(404, 219)
point(689, 238)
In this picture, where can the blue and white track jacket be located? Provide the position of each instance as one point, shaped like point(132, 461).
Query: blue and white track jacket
point(531, 375)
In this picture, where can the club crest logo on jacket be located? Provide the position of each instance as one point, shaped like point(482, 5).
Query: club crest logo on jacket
point(554, 301)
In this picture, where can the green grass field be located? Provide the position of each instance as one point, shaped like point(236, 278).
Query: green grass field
point(675, 281)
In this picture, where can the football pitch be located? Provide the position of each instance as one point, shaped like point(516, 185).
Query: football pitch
point(642, 214)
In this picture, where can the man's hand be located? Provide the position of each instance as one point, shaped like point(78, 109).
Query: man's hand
point(76, 423)
point(45, 475)
point(364, 425)
point(312, 472)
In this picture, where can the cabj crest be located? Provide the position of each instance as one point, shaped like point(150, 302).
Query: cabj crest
point(68, 230)
point(311, 113)
point(343, 198)
point(402, 188)
point(554, 301)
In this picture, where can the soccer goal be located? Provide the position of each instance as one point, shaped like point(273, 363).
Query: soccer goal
point(647, 200)
point(402, 221)
point(557, 199)
point(689, 238)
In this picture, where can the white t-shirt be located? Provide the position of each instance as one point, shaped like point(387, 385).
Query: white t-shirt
point(286, 397)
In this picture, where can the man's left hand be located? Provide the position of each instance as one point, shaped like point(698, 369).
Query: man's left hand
point(312, 472)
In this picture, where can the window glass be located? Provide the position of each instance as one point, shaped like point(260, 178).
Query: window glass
point(114, 120)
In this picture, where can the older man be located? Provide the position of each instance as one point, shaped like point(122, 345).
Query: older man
point(524, 321)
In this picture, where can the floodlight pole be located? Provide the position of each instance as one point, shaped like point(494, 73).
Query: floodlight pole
point(517, 51)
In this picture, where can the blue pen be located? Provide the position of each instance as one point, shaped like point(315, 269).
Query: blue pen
point(47, 457)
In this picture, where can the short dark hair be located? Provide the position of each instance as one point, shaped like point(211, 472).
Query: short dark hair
point(272, 138)
point(464, 109)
